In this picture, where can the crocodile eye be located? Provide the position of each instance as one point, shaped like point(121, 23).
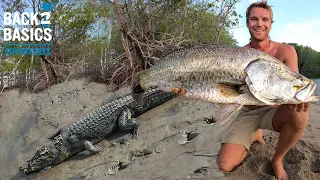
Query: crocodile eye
point(44, 153)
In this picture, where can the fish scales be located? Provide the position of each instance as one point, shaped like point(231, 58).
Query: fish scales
point(213, 63)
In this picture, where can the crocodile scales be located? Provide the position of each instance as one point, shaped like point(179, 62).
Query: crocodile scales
point(94, 127)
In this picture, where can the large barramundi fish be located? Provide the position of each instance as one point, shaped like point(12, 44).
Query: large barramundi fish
point(228, 75)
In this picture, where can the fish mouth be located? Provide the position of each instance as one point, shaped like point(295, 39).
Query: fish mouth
point(305, 93)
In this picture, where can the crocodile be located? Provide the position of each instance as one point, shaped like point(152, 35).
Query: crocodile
point(94, 127)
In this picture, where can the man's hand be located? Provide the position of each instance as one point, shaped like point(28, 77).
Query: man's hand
point(300, 107)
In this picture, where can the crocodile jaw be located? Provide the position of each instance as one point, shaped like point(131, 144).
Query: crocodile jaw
point(44, 157)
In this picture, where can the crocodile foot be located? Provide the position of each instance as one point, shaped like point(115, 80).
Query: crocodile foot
point(89, 146)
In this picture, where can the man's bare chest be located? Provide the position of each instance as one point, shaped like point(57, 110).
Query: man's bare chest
point(277, 54)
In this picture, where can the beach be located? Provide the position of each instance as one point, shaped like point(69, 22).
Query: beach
point(175, 140)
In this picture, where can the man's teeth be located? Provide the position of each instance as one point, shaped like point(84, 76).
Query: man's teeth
point(259, 30)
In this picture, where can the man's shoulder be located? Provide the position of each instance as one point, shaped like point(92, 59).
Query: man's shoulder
point(284, 48)
point(287, 54)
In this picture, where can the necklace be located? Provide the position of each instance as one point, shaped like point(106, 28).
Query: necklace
point(262, 49)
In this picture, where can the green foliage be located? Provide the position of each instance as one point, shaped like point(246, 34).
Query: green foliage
point(77, 33)
point(308, 60)
point(115, 41)
point(75, 19)
point(6, 66)
point(199, 21)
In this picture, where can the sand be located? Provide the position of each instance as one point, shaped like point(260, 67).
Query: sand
point(162, 150)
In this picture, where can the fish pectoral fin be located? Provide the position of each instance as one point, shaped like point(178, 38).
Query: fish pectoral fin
point(225, 111)
point(226, 90)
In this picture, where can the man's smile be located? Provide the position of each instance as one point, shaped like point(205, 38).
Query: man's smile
point(259, 30)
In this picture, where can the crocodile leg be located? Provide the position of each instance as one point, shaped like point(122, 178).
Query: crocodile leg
point(60, 131)
point(126, 122)
point(89, 146)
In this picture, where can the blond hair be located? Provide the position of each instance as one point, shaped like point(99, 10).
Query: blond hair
point(262, 4)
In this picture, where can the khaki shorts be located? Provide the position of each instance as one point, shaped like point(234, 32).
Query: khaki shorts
point(247, 123)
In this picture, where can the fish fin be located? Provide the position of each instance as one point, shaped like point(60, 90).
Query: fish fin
point(225, 111)
point(227, 90)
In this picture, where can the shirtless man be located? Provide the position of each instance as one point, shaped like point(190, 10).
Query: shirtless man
point(289, 120)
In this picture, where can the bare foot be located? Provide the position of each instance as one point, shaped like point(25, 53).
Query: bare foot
point(258, 137)
point(279, 171)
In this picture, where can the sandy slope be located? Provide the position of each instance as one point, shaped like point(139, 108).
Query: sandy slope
point(27, 119)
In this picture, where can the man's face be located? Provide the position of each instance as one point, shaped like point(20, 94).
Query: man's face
point(259, 23)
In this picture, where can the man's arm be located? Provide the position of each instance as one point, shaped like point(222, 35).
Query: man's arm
point(291, 61)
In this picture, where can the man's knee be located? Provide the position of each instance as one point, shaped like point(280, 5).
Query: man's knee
point(230, 155)
point(225, 166)
point(283, 116)
point(299, 120)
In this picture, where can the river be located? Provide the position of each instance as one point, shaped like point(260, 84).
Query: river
point(317, 91)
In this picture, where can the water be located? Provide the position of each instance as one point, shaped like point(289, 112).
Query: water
point(317, 91)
